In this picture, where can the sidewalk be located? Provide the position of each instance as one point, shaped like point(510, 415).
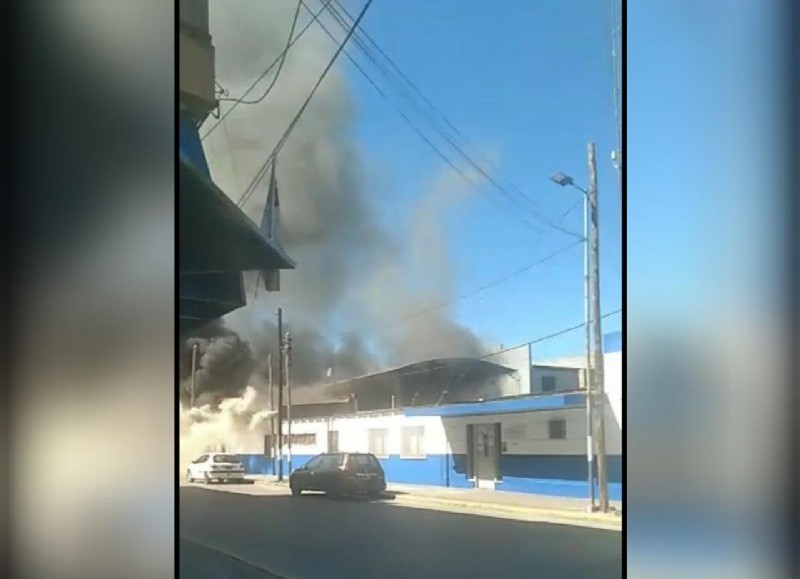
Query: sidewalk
point(521, 506)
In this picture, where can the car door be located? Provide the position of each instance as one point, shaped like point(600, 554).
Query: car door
point(197, 466)
point(328, 473)
point(306, 477)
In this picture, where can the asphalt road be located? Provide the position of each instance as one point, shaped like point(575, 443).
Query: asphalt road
point(232, 535)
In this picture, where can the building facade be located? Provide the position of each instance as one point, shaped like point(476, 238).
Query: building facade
point(534, 443)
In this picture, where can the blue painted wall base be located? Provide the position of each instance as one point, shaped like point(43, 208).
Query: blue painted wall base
point(554, 475)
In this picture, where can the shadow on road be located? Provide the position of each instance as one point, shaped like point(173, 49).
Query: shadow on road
point(314, 537)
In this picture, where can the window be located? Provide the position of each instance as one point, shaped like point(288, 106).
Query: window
point(363, 461)
point(548, 383)
point(304, 439)
point(226, 458)
point(379, 441)
point(413, 442)
point(314, 462)
point(330, 462)
point(557, 429)
point(202, 459)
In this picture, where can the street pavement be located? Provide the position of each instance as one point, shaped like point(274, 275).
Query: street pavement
point(249, 532)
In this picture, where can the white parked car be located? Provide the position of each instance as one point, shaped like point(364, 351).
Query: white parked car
point(217, 466)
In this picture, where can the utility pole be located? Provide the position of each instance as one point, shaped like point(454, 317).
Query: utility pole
point(194, 373)
point(587, 375)
point(271, 388)
point(280, 395)
point(287, 357)
point(599, 389)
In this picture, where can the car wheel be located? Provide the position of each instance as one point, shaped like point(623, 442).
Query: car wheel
point(206, 478)
point(374, 495)
point(296, 492)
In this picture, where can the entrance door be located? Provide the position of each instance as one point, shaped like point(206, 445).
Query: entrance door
point(485, 455)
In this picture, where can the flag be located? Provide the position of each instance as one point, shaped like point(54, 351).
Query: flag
point(269, 229)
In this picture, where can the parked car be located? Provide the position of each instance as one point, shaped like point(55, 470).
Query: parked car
point(340, 473)
point(215, 466)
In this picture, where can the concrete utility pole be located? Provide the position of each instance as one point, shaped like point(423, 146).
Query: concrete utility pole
point(599, 389)
point(587, 375)
point(287, 357)
point(280, 394)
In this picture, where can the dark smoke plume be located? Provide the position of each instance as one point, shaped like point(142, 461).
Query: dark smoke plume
point(351, 273)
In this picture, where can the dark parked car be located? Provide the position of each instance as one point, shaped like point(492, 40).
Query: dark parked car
point(340, 473)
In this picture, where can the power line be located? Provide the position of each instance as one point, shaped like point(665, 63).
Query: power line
point(265, 167)
point(520, 195)
point(279, 59)
point(280, 66)
point(478, 290)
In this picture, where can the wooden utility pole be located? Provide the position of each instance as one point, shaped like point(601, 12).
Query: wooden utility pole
point(599, 389)
point(280, 394)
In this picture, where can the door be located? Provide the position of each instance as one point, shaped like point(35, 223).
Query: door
point(328, 474)
point(485, 449)
point(306, 477)
point(197, 467)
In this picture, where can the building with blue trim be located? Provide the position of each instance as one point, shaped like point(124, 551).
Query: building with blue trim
point(532, 443)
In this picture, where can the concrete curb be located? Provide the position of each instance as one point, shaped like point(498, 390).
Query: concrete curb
point(605, 522)
point(533, 514)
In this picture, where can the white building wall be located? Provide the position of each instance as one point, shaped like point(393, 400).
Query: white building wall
point(519, 359)
point(523, 433)
point(612, 381)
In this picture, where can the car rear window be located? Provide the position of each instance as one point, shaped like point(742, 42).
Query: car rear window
point(363, 462)
point(227, 458)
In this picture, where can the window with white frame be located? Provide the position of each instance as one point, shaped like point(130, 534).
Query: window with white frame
point(412, 442)
point(557, 429)
point(379, 441)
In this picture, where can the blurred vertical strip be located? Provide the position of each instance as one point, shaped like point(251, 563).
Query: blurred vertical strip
point(707, 176)
point(94, 292)
point(792, 157)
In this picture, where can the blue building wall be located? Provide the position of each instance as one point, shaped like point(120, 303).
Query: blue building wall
point(553, 475)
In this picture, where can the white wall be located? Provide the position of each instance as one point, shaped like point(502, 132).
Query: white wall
point(612, 382)
point(523, 433)
point(519, 359)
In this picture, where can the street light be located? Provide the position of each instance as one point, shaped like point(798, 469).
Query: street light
point(566, 181)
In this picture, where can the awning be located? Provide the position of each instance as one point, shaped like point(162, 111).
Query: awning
point(218, 242)
point(215, 236)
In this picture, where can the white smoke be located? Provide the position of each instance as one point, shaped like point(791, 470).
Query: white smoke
point(236, 425)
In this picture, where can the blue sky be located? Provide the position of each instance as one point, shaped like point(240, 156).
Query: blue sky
point(529, 83)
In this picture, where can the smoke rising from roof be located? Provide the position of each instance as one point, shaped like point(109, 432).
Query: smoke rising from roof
point(351, 272)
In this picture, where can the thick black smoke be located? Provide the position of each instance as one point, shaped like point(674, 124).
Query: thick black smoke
point(351, 274)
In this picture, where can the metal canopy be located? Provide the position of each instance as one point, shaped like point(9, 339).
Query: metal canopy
point(215, 236)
